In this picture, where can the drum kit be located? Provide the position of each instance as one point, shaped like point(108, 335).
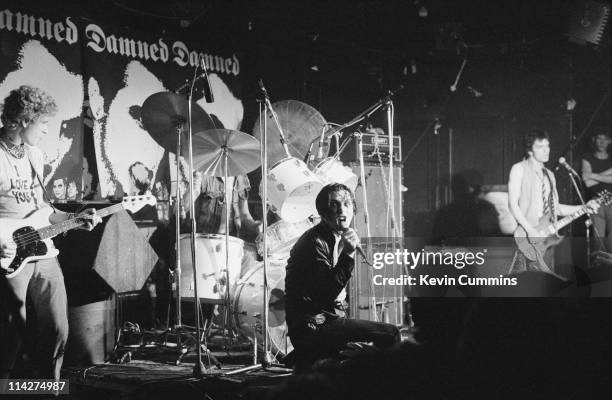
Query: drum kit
point(212, 267)
point(218, 260)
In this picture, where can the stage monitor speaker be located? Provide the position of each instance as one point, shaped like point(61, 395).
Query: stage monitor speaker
point(115, 251)
point(378, 302)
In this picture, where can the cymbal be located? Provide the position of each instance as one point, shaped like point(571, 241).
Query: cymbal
point(162, 111)
point(301, 125)
point(243, 152)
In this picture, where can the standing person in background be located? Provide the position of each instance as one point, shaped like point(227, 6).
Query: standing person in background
point(597, 175)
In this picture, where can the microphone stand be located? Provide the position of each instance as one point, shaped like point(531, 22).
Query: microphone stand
point(355, 295)
point(398, 297)
point(363, 115)
point(198, 368)
point(269, 108)
point(588, 222)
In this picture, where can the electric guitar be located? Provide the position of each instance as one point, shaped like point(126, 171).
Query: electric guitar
point(33, 234)
point(534, 248)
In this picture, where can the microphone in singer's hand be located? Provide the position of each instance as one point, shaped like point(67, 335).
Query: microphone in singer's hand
point(360, 250)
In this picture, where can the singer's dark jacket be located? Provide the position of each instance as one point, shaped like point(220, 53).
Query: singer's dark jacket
point(312, 282)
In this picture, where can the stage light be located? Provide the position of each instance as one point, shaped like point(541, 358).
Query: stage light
point(423, 12)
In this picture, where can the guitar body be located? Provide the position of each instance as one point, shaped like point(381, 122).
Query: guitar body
point(30, 247)
point(534, 249)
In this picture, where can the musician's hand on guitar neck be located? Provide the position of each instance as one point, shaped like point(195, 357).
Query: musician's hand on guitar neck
point(90, 218)
point(601, 258)
point(592, 207)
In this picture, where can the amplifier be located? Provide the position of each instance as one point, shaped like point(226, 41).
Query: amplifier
point(373, 146)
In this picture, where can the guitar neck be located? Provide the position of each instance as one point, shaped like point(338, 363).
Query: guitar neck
point(567, 220)
point(72, 223)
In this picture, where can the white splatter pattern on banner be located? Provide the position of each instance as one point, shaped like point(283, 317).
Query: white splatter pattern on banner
point(36, 66)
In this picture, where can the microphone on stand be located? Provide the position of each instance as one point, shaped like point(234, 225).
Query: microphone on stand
point(568, 167)
point(307, 156)
point(184, 86)
point(208, 94)
point(263, 88)
point(453, 87)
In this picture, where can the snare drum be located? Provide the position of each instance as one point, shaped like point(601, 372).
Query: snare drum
point(292, 189)
point(248, 303)
point(210, 260)
point(331, 170)
point(282, 235)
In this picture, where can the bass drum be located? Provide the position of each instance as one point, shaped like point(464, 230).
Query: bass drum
point(248, 303)
point(210, 260)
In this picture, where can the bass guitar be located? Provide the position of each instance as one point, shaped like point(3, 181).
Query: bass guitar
point(33, 234)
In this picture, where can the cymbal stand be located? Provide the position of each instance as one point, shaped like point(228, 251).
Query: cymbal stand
point(228, 199)
point(268, 359)
point(177, 226)
point(178, 326)
point(198, 368)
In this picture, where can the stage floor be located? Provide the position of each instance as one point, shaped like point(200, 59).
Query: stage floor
point(146, 379)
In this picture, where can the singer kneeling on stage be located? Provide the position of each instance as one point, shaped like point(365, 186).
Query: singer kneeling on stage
point(318, 269)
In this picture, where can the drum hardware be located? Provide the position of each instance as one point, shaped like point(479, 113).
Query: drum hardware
point(270, 109)
point(282, 235)
point(163, 114)
point(212, 266)
point(386, 103)
point(331, 170)
point(301, 125)
point(214, 148)
point(292, 189)
point(247, 298)
point(268, 358)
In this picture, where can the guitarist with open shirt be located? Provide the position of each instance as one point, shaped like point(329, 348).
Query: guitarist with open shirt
point(534, 202)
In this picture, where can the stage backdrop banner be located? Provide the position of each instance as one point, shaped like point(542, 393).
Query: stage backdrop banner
point(101, 76)
point(45, 53)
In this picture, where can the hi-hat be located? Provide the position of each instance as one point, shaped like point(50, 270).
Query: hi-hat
point(163, 111)
point(301, 125)
point(243, 152)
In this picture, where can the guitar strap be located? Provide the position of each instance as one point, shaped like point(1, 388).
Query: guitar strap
point(45, 194)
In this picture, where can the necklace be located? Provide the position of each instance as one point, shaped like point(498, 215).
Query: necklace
point(17, 151)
